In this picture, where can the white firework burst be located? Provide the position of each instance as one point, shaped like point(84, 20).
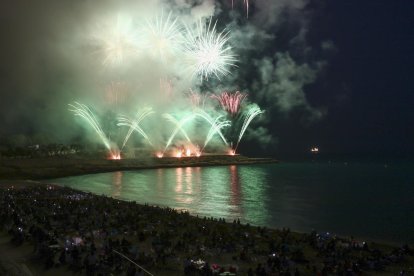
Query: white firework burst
point(162, 36)
point(207, 51)
point(117, 41)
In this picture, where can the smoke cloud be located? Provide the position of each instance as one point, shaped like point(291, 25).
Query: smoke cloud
point(51, 59)
point(282, 81)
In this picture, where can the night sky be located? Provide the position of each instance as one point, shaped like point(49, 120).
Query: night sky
point(358, 94)
point(370, 77)
point(367, 87)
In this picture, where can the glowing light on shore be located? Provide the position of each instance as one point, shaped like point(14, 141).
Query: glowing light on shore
point(179, 154)
point(159, 155)
point(314, 150)
point(232, 152)
point(188, 152)
point(115, 156)
point(207, 51)
point(179, 124)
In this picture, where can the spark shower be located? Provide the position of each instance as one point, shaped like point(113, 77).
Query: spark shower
point(176, 117)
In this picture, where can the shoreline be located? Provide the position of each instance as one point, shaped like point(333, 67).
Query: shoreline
point(49, 168)
point(24, 184)
point(35, 170)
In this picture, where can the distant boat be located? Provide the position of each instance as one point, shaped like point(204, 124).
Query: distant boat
point(314, 150)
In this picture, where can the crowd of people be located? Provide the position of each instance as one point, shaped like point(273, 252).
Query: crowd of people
point(98, 235)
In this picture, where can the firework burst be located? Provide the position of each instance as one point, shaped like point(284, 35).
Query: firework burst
point(230, 102)
point(207, 51)
point(117, 41)
point(197, 99)
point(162, 37)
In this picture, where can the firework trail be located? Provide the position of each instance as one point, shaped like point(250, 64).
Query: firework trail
point(230, 102)
point(115, 93)
point(246, 3)
point(214, 123)
point(162, 36)
point(179, 127)
point(179, 124)
point(86, 113)
point(215, 128)
point(250, 114)
point(116, 42)
point(207, 51)
point(134, 124)
point(197, 99)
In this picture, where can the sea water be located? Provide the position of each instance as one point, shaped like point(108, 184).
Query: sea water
point(368, 200)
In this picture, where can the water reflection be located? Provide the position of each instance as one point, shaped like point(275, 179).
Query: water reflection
point(160, 182)
point(116, 184)
point(235, 195)
point(188, 177)
point(235, 185)
point(227, 192)
point(255, 200)
point(184, 185)
point(300, 196)
point(179, 180)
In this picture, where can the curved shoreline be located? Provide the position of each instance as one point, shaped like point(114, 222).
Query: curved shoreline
point(48, 168)
point(24, 184)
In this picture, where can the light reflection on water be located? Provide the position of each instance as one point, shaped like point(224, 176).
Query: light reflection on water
point(116, 184)
point(227, 192)
point(361, 200)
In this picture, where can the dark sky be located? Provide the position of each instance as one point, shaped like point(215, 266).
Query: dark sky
point(375, 63)
point(368, 86)
point(365, 89)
